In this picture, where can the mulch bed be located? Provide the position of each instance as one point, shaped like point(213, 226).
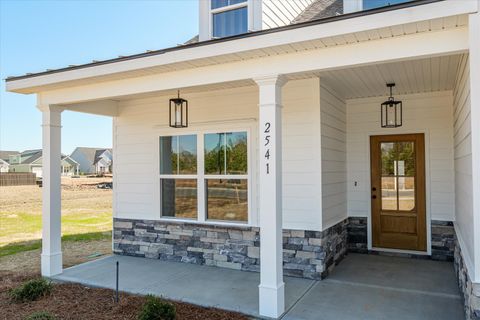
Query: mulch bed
point(73, 301)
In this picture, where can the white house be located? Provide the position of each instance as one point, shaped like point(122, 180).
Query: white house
point(285, 139)
point(93, 160)
point(31, 161)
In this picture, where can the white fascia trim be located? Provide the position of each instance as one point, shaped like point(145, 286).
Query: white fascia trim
point(308, 33)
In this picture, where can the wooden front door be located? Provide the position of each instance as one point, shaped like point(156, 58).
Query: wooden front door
point(398, 191)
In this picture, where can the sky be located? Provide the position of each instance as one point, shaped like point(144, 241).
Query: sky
point(39, 35)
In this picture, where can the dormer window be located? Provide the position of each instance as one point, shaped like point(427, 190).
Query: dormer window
point(229, 17)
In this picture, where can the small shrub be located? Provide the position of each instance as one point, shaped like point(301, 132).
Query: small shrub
point(31, 290)
point(42, 315)
point(157, 309)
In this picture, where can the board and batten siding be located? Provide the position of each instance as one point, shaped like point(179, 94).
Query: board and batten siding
point(463, 161)
point(140, 121)
point(277, 13)
point(334, 156)
point(428, 113)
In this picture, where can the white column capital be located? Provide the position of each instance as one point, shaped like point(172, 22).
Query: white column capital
point(50, 108)
point(273, 79)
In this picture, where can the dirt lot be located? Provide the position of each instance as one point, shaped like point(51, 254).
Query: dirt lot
point(85, 208)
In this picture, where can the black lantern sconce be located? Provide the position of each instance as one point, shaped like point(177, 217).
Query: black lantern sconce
point(391, 111)
point(178, 112)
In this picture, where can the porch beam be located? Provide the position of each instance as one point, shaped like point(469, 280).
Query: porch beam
point(415, 46)
point(51, 259)
point(271, 288)
point(474, 39)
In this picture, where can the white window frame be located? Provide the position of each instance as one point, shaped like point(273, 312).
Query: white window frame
point(200, 132)
point(225, 9)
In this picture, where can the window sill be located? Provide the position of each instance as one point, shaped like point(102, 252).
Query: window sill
point(209, 222)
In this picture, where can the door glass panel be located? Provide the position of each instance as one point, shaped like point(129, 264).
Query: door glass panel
point(398, 175)
point(388, 158)
point(406, 193)
point(389, 193)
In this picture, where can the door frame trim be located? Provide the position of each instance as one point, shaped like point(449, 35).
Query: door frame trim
point(428, 218)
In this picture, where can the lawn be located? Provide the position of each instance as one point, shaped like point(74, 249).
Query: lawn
point(86, 214)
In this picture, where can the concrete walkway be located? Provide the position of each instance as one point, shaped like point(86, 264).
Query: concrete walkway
point(361, 287)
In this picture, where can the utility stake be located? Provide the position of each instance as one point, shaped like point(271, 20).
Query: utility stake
point(116, 286)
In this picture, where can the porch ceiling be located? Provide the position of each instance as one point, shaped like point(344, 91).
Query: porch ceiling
point(412, 76)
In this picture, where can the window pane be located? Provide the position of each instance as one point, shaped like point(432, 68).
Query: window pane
point(215, 153)
point(223, 3)
point(237, 153)
point(187, 154)
point(227, 199)
point(406, 193)
point(179, 198)
point(178, 155)
point(370, 4)
point(406, 158)
point(230, 22)
point(168, 155)
point(388, 158)
point(389, 193)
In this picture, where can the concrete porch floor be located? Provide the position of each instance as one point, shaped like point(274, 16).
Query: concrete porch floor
point(361, 287)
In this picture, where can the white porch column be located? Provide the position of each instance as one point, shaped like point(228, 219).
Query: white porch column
point(271, 288)
point(51, 193)
point(474, 41)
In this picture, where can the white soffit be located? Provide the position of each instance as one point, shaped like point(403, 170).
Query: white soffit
point(378, 26)
point(412, 76)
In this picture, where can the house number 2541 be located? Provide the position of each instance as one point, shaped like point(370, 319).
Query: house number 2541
point(267, 144)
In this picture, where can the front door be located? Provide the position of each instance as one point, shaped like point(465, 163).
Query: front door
point(398, 191)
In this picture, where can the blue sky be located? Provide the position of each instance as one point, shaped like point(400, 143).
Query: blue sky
point(39, 35)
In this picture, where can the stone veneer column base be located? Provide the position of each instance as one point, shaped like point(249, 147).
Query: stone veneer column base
point(470, 291)
point(306, 254)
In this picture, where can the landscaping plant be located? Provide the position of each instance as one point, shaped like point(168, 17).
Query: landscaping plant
point(41, 315)
point(157, 309)
point(31, 290)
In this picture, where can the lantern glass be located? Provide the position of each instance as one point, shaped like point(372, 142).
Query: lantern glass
point(178, 113)
point(391, 111)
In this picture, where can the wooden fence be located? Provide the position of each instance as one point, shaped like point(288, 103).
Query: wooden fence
point(17, 179)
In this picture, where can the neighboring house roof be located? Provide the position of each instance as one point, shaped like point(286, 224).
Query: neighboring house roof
point(31, 156)
point(320, 9)
point(4, 155)
point(3, 162)
point(93, 155)
point(191, 42)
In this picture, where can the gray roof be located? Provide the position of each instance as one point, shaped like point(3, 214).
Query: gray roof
point(92, 154)
point(4, 155)
point(316, 17)
point(320, 9)
point(30, 156)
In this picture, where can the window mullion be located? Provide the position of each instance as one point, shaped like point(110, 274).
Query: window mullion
point(201, 178)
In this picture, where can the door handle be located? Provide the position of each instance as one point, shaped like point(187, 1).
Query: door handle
point(374, 189)
point(374, 197)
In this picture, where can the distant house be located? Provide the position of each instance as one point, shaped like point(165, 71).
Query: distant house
point(4, 158)
point(4, 165)
point(93, 160)
point(31, 161)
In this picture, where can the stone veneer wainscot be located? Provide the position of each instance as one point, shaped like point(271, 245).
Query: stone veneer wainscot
point(306, 254)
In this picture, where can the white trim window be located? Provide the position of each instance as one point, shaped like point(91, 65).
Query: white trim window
point(228, 17)
point(204, 176)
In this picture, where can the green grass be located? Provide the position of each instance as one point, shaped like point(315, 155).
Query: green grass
point(17, 247)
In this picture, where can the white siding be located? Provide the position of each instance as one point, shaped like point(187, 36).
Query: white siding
point(141, 121)
point(463, 161)
point(277, 13)
point(334, 156)
point(429, 113)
